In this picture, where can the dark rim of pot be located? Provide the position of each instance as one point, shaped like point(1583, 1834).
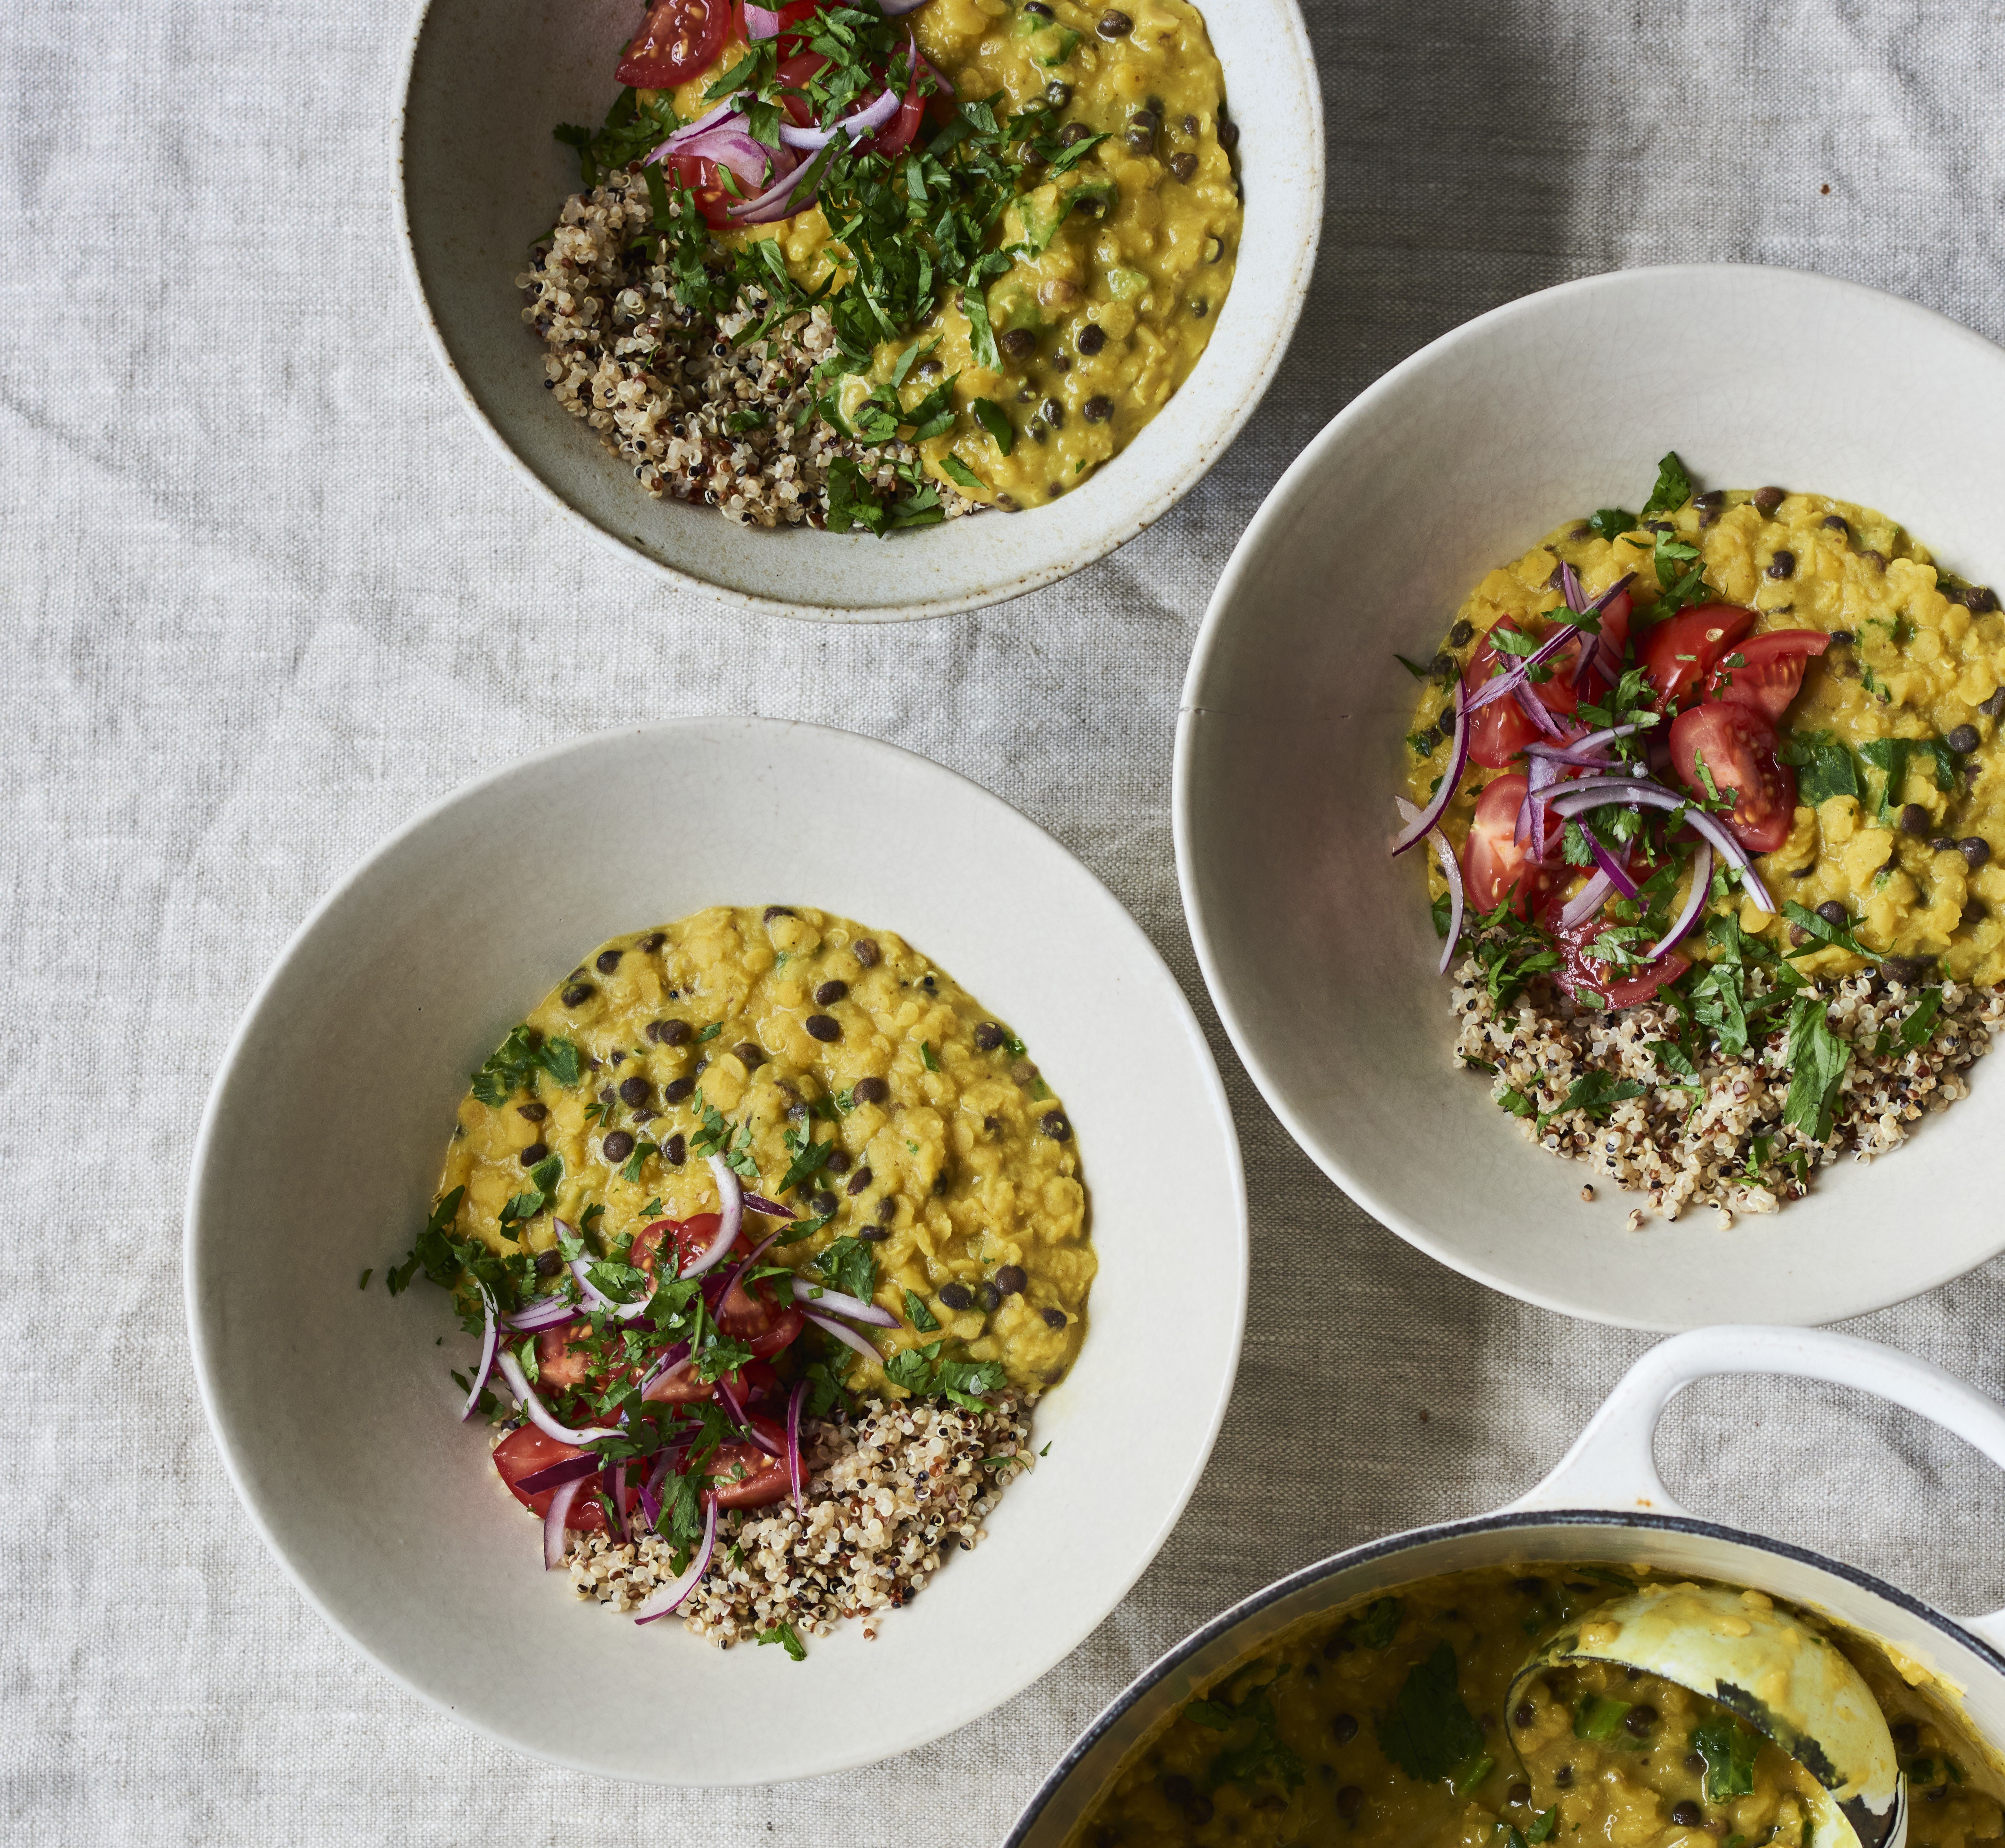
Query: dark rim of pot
point(1400, 1543)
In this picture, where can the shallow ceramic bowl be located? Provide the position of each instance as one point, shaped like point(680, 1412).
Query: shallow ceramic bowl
point(1318, 948)
point(322, 1143)
point(481, 177)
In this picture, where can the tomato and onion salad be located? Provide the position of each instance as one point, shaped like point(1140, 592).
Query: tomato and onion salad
point(1645, 755)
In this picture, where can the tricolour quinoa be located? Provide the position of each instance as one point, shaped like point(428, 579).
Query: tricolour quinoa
point(892, 1492)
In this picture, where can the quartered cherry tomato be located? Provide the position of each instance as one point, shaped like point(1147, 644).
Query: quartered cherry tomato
point(743, 1475)
point(678, 39)
point(1770, 670)
point(794, 75)
point(1738, 747)
point(1494, 860)
point(706, 186)
point(1582, 969)
point(897, 134)
point(1499, 731)
point(1677, 654)
point(525, 1451)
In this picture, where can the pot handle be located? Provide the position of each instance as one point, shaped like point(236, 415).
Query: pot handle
point(1613, 1463)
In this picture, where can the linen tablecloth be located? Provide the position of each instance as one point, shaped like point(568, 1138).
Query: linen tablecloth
point(267, 593)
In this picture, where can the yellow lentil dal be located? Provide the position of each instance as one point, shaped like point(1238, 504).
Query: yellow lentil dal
point(952, 1154)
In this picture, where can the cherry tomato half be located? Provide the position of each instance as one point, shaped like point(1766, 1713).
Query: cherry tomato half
point(1771, 671)
point(794, 75)
point(1677, 654)
point(1494, 860)
point(895, 136)
point(761, 1478)
point(1737, 746)
point(678, 39)
point(1583, 969)
point(700, 175)
point(1499, 731)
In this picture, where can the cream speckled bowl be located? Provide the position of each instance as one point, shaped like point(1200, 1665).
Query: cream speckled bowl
point(481, 176)
point(322, 1142)
point(1318, 947)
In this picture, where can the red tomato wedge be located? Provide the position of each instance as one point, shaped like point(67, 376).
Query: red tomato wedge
point(1494, 860)
point(678, 39)
point(795, 74)
point(523, 1452)
point(1583, 970)
point(713, 200)
point(760, 1478)
point(1499, 731)
point(897, 134)
point(1677, 654)
point(1737, 746)
point(1770, 672)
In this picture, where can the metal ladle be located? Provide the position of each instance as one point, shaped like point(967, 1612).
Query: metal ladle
point(1795, 1687)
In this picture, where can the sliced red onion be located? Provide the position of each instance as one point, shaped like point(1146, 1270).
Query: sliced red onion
point(597, 1298)
point(771, 1208)
point(1541, 775)
point(554, 1517)
point(1571, 588)
point(794, 1405)
point(659, 1604)
point(857, 124)
point(650, 1490)
point(546, 1312)
point(1597, 792)
point(1537, 711)
point(735, 1406)
point(572, 1469)
point(1518, 674)
point(690, 132)
point(487, 1346)
point(1701, 884)
point(1458, 761)
point(539, 1415)
point(1572, 755)
point(758, 1251)
point(835, 1302)
point(1585, 903)
point(731, 1217)
point(751, 163)
point(776, 202)
point(665, 1362)
point(1618, 872)
point(760, 22)
point(848, 1337)
point(892, 8)
point(1452, 871)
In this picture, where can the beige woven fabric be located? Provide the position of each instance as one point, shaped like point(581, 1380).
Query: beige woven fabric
point(266, 592)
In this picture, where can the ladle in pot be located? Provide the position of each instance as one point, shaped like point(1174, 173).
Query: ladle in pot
point(1794, 1687)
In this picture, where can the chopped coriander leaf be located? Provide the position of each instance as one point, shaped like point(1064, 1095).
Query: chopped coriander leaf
point(996, 420)
point(784, 1635)
point(1612, 523)
point(961, 475)
point(1817, 1062)
point(1914, 1030)
point(1729, 1750)
point(366, 1275)
point(1595, 1093)
point(1824, 766)
point(1673, 490)
point(850, 1267)
point(926, 1054)
point(920, 1317)
point(1413, 667)
point(1597, 1716)
point(1427, 1731)
point(1820, 931)
point(711, 1031)
point(1542, 1830)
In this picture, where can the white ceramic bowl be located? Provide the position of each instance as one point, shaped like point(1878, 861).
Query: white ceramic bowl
point(1318, 949)
point(322, 1142)
point(481, 177)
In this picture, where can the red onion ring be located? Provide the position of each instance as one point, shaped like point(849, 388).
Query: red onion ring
point(856, 124)
point(835, 1302)
point(1701, 885)
point(794, 1405)
point(546, 1312)
point(1452, 871)
point(674, 1370)
point(1541, 775)
point(690, 131)
point(758, 1203)
point(650, 1490)
point(659, 1604)
point(731, 1215)
point(758, 1251)
point(760, 23)
point(892, 8)
point(1585, 903)
point(539, 1414)
point(1458, 761)
point(776, 203)
point(488, 1342)
point(735, 1406)
point(665, 1362)
point(1597, 792)
point(1536, 710)
point(1617, 871)
point(597, 1299)
point(554, 1517)
point(848, 1337)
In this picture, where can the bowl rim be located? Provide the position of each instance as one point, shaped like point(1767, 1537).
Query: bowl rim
point(1389, 1545)
point(1202, 460)
point(193, 1260)
point(1190, 708)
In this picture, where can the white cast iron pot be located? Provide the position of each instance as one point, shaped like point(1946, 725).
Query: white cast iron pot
point(1604, 1501)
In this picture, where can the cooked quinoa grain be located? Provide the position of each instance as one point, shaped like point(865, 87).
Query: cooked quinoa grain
point(1718, 1140)
point(889, 1494)
point(692, 414)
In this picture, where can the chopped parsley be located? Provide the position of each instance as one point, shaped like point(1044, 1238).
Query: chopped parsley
point(1825, 767)
point(512, 1066)
point(1729, 1749)
point(1822, 930)
point(1817, 1062)
point(920, 1316)
point(1255, 1753)
point(1427, 1731)
point(787, 1638)
point(850, 1267)
point(1673, 490)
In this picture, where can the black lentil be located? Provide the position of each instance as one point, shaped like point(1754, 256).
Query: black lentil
point(533, 1154)
point(1097, 409)
point(1783, 565)
point(652, 941)
point(668, 1033)
point(1915, 819)
point(1092, 338)
point(866, 952)
point(1114, 25)
point(1832, 912)
point(618, 1145)
point(1343, 1728)
point(1767, 499)
point(956, 1296)
point(1010, 1280)
point(677, 1089)
point(1976, 849)
point(1687, 1815)
point(824, 1027)
point(1054, 1124)
point(1638, 1720)
point(675, 1151)
point(535, 1112)
point(859, 1180)
point(549, 1263)
point(991, 1297)
point(773, 911)
point(830, 993)
point(578, 993)
point(987, 1036)
point(888, 1210)
point(1964, 738)
point(749, 1054)
point(1058, 94)
point(1018, 344)
point(1055, 1318)
point(870, 1090)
